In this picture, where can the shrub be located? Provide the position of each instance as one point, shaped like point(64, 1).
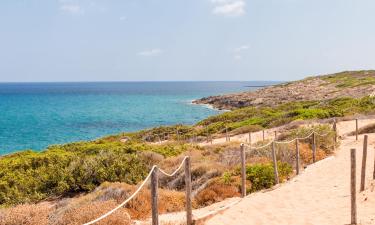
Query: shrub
point(31, 176)
point(217, 191)
point(261, 176)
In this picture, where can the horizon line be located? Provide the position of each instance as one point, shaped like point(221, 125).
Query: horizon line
point(137, 81)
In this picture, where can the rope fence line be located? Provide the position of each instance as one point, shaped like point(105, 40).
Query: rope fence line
point(175, 172)
point(186, 160)
point(285, 142)
point(138, 190)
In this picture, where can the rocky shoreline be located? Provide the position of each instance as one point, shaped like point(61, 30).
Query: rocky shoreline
point(355, 84)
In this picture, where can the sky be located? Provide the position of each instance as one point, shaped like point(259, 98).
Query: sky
point(183, 40)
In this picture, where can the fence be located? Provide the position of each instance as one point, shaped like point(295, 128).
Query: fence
point(244, 148)
point(353, 178)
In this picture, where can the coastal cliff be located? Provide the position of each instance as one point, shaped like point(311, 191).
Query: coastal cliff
point(354, 84)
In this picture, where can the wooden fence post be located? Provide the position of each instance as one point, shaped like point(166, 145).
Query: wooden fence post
point(226, 134)
point(276, 173)
point(356, 129)
point(208, 135)
point(314, 147)
point(275, 135)
point(364, 158)
point(154, 196)
point(263, 136)
point(189, 213)
point(243, 170)
point(297, 157)
point(373, 174)
point(250, 139)
point(353, 186)
point(335, 137)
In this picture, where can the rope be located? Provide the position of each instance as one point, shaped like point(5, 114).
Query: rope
point(174, 173)
point(287, 142)
point(124, 202)
point(137, 191)
point(306, 136)
point(322, 135)
point(259, 147)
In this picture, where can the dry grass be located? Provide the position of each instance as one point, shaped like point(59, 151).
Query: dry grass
point(307, 155)
point(169, 201)
point(91, 210)
point(217, 191)
point(26, 214)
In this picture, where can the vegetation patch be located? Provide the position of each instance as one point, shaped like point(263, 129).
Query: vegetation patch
point(350, 79)
point(261, 176)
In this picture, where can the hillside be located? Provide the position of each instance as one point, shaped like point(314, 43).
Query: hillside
point(353, 84)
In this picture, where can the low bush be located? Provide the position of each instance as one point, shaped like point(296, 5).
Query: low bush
point(217, 190)
point(262, 176)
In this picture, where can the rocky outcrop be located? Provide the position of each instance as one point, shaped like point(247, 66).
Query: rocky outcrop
point(346, 84)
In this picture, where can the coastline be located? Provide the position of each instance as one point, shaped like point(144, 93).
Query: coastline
point(207, 105)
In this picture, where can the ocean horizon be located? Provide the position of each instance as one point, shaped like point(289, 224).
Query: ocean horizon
point(36, 115)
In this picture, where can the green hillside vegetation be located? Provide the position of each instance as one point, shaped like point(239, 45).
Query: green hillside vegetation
point(31, 176)
point(255, 118)
point(350, 79)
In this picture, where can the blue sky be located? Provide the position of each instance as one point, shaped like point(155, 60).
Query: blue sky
point(136, 40)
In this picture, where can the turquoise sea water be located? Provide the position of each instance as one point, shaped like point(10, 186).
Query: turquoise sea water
point(35, 115)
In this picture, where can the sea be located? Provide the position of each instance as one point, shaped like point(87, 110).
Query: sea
point(36, 115)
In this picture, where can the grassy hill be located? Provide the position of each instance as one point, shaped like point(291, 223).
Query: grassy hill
point(353, 84)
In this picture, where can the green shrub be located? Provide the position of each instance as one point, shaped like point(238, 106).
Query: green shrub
point(261, 176)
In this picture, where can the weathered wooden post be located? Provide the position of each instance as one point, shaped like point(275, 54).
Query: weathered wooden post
point(373, 174)
point(356, 129)
point(211, 139)
point(353, 186)
point(226, 134)
point(314, 147)
point(208, 135)
point(263, 136)
point(297, 157)
point(335, 135)
point(276, 173)
point(243, 170)
point(189, 212)
point(250, 138)
point(275, 135)
point(154, 196)
point(364, 158)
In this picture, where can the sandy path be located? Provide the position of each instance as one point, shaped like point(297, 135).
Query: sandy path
point(320, 195)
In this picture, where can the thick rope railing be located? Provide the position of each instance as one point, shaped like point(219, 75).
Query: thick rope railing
point(137, 191)
point(175, 172)
point(285, 142)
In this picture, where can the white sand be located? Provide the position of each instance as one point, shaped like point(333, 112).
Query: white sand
point(320, 195)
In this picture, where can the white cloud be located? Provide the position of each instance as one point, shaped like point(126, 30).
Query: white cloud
point(239, 52)
point(229, 7)
point(150, 52)
point(71, 8)
point(241, 48)
point(238, 57)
